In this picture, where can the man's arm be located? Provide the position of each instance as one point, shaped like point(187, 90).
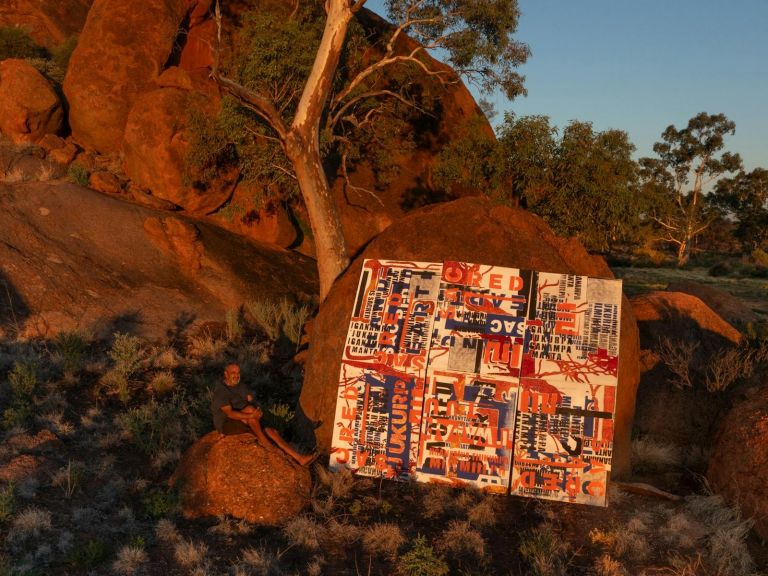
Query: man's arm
point(247, 413)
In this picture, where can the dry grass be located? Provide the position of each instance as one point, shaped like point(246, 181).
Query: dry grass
point(303, 531)
point(460, 540)
point(30, 524)
point(162, 383)
point(649, 455)
point(383, 539)
point(130, 560)
point(166, 532)
point(190, 554)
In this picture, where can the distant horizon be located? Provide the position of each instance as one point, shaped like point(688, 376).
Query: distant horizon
point(640, 67)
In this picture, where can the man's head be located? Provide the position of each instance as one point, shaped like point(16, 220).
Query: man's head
point(232, 375)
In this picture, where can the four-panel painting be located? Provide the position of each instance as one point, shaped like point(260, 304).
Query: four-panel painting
point(465, 373)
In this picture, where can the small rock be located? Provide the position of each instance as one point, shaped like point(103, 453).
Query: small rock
point(105, 182)
point(64, 155)
point(236, 476)
point(29, 108)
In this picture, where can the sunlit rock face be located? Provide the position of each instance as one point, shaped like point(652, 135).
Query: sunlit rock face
point(739, 461)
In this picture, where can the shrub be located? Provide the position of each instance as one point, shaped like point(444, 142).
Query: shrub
point(160, 503)
point(383, 539)
point(166, 532)
point(89, 555)
point(130, 560)
point(63, 52)
point(154, 426)
point(677, 355)
point(7, 502)
point(69, 478)
point(261, 561)
point(126, 353)
point(422, 560)
point(547, 555)
point(71, 347)
point(16, 42)
point(726, 367)
point(278, 416)
point(78, 174)
point(162, 383)
point(461, 541)
point(190, 554)
point(649, 455)
point(283, 318)
point(23, 382)
point(303, 531)
point(30, 523)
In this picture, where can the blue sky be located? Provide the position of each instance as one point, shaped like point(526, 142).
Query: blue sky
point(642, 65)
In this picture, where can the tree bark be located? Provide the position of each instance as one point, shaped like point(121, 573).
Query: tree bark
point(330, 248)
point(302, 145)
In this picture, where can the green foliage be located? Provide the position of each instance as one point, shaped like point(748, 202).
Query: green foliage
point(16, 42)
point(71, 346)
point(545, 552)
point(7, 502)
point(155, 426)
point(126, 354)
point(278, 416)
point(63, 52)
point(23, 382)
point(160, 503)
point(472, 159)
point(78, 174)
point(282, 318)
point(744, 198)
point(476, 38)
point(422, 560)
point(583, 183)
point(89, 555)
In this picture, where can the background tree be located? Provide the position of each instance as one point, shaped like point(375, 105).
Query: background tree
point(314, 114)
point(744, 198)
point(583, 183)
point(677, 180)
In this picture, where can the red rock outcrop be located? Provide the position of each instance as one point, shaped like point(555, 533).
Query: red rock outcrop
point(121, 52)
point(156, 142)
point(669, 412)
point(49, 22)
point(728, 307)
point(29, 108)
point(739, 462)
point(71, 258)
point(235, 476)
point(473, 230)
point(248, 217)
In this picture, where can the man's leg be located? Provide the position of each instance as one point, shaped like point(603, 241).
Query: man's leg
point(302, 459)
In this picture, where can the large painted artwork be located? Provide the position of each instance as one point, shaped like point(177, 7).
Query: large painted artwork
point(465, 373)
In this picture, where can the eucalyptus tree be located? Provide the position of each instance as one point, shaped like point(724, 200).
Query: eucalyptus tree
point(689, 160)
point(314, 113)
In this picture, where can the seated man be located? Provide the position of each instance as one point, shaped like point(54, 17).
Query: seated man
point(234, 413)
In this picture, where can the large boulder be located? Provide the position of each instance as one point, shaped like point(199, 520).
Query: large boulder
point(472, 230)
point(739, 463)
point(156, 144)
point(71, 258)
point(685, 318)
point(692, 335)
point(725, 305)
point(236, 476)
point(120, 53)
point(49, 22)
point(29, 108)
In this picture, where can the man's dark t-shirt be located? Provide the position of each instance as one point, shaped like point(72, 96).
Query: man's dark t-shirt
point(223, 395)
